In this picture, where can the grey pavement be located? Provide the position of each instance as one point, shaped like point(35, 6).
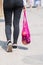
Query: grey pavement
point(31, 54)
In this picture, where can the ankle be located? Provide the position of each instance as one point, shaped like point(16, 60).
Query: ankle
point(9, 41)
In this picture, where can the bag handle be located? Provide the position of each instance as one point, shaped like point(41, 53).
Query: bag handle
point(25, 13)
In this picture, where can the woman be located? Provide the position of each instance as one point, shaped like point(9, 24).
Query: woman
point(9, 7)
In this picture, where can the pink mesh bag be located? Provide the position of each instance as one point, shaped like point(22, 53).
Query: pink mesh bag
point(26, 39)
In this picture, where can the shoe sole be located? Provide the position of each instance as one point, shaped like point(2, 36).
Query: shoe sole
point(9, 48)
point(14, 46)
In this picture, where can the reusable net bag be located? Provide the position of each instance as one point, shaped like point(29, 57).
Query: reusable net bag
point(26, 39)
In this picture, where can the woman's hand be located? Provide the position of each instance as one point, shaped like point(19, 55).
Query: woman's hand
point(24, 7)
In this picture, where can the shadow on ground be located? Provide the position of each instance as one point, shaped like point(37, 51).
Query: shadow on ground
point(22, 48)
point(3, 44)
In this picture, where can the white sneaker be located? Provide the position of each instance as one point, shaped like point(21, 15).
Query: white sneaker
point(9, 47)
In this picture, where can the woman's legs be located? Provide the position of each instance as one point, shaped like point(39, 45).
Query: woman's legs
point(17, 15)
point(8, 21)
